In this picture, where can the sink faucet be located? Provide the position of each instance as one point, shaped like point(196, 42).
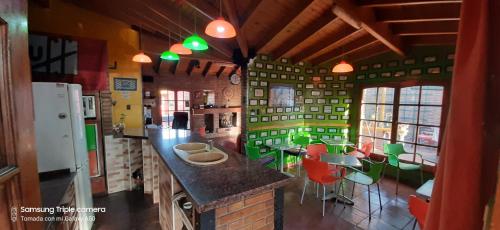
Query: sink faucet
point(211, 143)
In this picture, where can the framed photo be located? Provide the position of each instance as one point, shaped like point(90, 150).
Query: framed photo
point(288, 109)
point(301, 78)
point(335, 85)
point(269, 110)
point(320, 130)
point(252, 136)
point(332, 130)
point(314, 109)
point(327, 109)
point(333, 117)
point(279, 67)
point(363, 67)
point(328, 78)
point(263, 83)
point(283, 131)
point(254, 83)
point(345, 117)
point(263, 74)
point(269, 141)
point(434, 70)
point(252, 74)
point(400, 73)
point(372, 75)
point(450, 56)
point(274, 132)
point(321, 100)
point(308, 116)
point(309, 70)
point(347, 100)
point(315, 93)
point(300, 116)
point(301, 63)
point(300, 85)
point(283, 76)
point(264, 57)
point(269, 66)
point(264, 119)
point(284, 117)
point(277, 141)
point(299, 92)
point(349, 85)
point(258, 142)
point(253, 112)
point(377, 66)
point(334, 101)
point(125, 84)
point(385, 74)
point(308, 101)
point(316, 78)
point(341, 92)
point(253, 102)
point(449, 68)
point(262, 102)
point(296, 70)
point(342, 78)
point(309, 86)
point(320, 117)
point(416, 72)
point(293, 117)
point(254, 119)
point(275, 118)
point(279, 110)
point(328, 93)
point(259, 92)
point(308, 129)
point(339, 109)
point(429, 59)
point(360, 77)
point(284, 60)
point(409, 61)
point(288, 69)
point(393, 63)
point(322, 71)
point(274, 75)
point(322, 85)
point(296, 109)
point(259, 65)
point(293, 77)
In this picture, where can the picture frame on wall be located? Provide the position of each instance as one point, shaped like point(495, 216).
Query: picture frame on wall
point(274, 132)
point(322, 71)
point(308, 116)
point(372, 75)
point(363, 67)
point(327, 109)
point(393, 63)
point(264, 119)
point(430, 59)
point(263, 74)
point(262, 102)
point(288, 109)
point(342, 78)
point(399, 73)
point(360, 77)
point(333, 117)
point(450, 56)
point(328, 93)
point(346, 117)
point(269, 110)
point(299, 86)
point(293, 77)
point(320, 117)
point(270, 66)
point(279, 110)
point(315, 93)
point(385, 74)
point(328, 78)
point(254, 83)
point(283, 131)
point(252, 136)
point(332, 130)
point(322, 86)
point(264, 57)
point(263, 134)
point(283, 77)
point(284, 60)
point(293, 117)
point(300, 116)
point(274, 75)
point(279, 67)
point(308, 101)
point(288, 69)
point(284, 117)
point(275, 118)
point(339, 109)
point(321, 100)
point(416, 72)
point(259, 65)
point(299, 92)
point(309, 70)
point(409, 61)
point(335, 85)
point(258, 92)
point(334, 101)
point(254, 119)
point(377, 66)
point(252, 102)
point(314, 109)
point(434, 70)
point(301, 78)
point(309, 86)
point(341, 92)
point(349, 85)
point(252, 74)
point(258, 142)
point(296, 70)
point(347, 100)
point(263, 83)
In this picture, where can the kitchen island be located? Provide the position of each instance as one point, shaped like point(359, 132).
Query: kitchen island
point(238, 193)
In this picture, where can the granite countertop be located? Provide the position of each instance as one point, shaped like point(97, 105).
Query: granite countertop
point(53, 186)
point(214, 186)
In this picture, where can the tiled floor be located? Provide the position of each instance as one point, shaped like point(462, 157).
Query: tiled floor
point(133, 210)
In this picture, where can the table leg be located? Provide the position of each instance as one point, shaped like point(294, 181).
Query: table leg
point(282, 163)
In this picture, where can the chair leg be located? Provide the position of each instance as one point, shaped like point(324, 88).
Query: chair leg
point(352, 194)
point(303, 191)
point(397, 181)
point(343, 194)
point(414, 223)
point(379, 199)
point(299, 163)
point(421, 175)
point(369, 205)
point(324, 196)
point(317, 190)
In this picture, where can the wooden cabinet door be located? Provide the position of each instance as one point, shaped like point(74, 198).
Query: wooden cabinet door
point(19, 183)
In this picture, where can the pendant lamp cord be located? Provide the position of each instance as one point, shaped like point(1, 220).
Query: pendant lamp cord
point(220, 8)
point(140, 38)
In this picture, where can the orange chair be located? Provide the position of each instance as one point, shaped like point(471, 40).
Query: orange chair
point(364, 152)
point(318, 172)
point(314, 152)
point(418, 208)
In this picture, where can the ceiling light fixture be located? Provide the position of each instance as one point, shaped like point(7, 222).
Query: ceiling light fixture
point(141, 57)
point(220, 28)
point(342, 67)
point(169, 55)
point(178, 48)
point(195, 42)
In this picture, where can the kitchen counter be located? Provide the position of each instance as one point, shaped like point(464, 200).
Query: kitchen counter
point(213, 186)
point(53, 186)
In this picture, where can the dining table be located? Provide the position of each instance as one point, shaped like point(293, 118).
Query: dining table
point(347, 161)
point(337, 143)
point(425, 190)
point(282, 147)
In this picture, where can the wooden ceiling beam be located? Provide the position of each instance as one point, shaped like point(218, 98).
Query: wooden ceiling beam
point(298, 37)
point(368, 51)
point(419, 13)
point(206, 68)
point(204, 8)
point(278, 26)
point(243, 16)
point(393, 3)
point(241, 38)
point(425, 28)
point(219, 72)
point(344, 50)
point(193, 63)
point(360, 17)
point(345, 32)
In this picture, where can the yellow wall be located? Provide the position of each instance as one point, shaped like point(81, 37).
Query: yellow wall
point(122, 42)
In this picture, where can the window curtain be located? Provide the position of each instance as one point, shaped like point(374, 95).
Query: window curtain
point(467, 170)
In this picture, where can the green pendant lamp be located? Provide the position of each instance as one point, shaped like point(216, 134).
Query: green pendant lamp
point(169, 55)
point(195, 42)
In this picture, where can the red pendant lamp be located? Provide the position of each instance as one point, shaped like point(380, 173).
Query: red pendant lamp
point(141, 57)
point(342, 67)
point(178, 48)
point(220, 28)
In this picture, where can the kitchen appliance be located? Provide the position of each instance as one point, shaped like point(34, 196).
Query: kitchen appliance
point(60, 138)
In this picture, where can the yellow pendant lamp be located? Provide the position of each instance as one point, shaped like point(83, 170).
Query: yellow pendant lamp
point(141, 57)
point(220, 28)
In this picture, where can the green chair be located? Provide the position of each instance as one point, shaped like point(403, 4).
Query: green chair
point(372, 176)
point(393, 151)
point(268, 159)
point(302, 142)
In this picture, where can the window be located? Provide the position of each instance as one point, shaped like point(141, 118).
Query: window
point(173, 101)
point(409, 115)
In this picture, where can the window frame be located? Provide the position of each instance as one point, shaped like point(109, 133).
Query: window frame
point(176, 100)
point(395, 116)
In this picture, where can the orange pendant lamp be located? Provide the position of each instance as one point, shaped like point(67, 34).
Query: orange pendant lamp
point(178, 48)
point(220, 28)
point(342, 67)
point(141, 57)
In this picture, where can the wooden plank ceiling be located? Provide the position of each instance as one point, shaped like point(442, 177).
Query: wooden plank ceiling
point(314, 31)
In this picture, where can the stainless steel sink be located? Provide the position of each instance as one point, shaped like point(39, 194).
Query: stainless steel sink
point(199, 154)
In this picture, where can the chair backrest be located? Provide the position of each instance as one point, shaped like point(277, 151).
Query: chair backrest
point(253, 152)
point(393, 151)
point(315, 150)
point(375, 171)
point(366, 148)
point(418, 208)
point(316, 170)
point(303, 141)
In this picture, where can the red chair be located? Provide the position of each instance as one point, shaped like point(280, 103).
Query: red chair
point(314, 152)
point(418, 208)
point(318, 172)
point(364, 152)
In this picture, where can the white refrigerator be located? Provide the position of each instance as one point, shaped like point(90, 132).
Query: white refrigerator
point(60, 138)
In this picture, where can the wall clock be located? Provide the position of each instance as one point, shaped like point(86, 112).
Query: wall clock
point(235, 79)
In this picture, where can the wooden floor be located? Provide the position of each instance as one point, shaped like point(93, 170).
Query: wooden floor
point(132, 210)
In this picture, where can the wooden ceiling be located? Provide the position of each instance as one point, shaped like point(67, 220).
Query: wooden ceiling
point(314, 31)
